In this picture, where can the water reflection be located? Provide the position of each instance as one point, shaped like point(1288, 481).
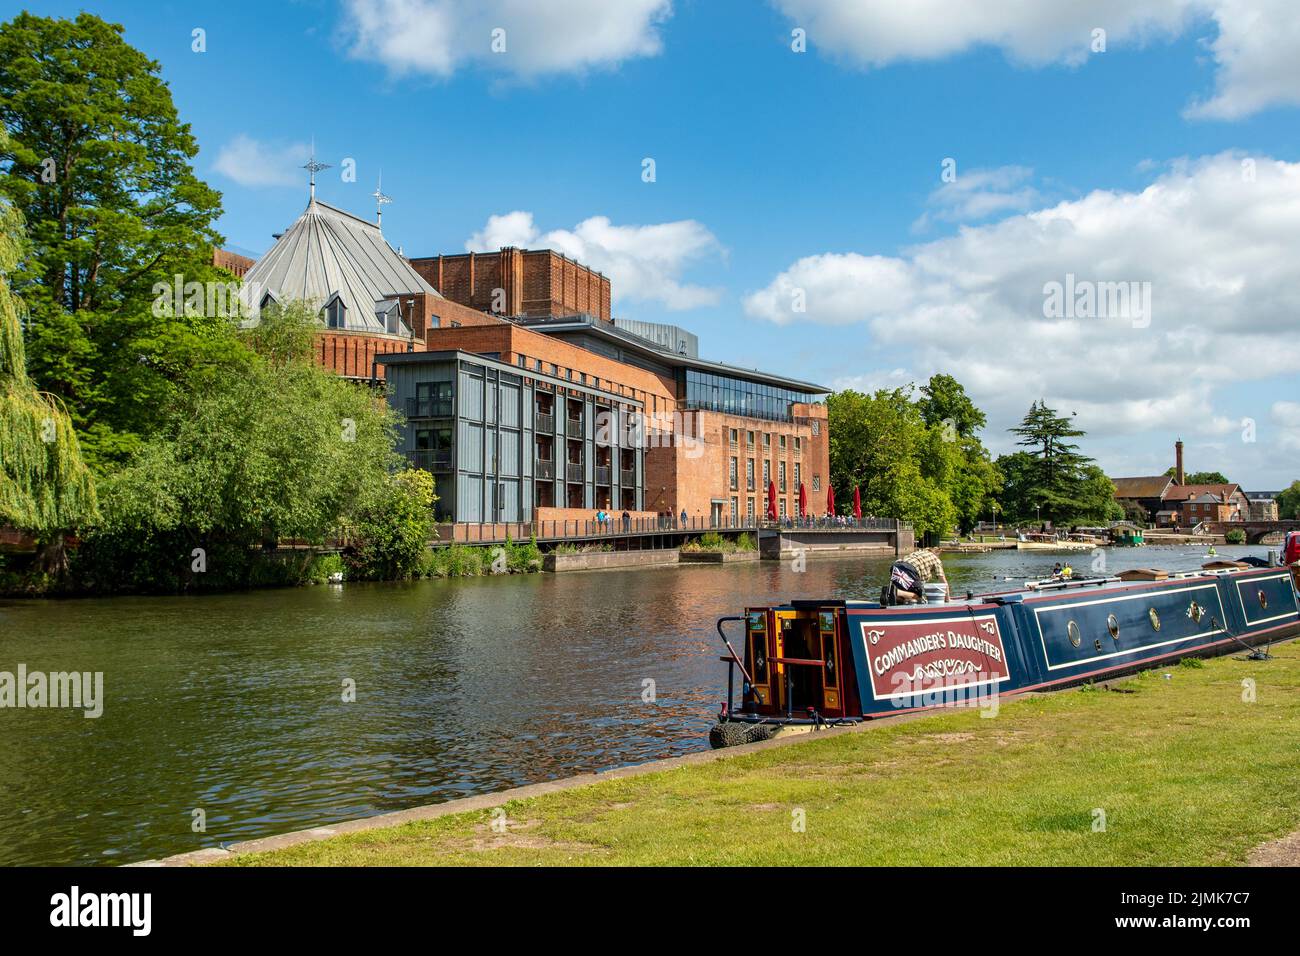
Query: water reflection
point(233, 703)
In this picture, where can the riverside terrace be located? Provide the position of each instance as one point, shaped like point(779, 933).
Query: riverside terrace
point(776, 539)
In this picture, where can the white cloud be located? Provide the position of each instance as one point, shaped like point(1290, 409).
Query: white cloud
point(1256, 51)
point(644, 263)
point(1286, 416)
point(250, 162)
point(979, 193)
point(1217, 249)
point(436, 37)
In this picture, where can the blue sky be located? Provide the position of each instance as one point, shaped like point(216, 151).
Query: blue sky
point(820, 172)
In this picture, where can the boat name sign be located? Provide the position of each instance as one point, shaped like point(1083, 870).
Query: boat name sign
point(910, 657)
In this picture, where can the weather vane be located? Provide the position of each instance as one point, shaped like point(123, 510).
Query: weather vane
point(314, 167)
point(380, 200)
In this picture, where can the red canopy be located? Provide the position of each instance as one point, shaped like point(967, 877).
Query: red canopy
point(857, 504)
point(830, 500)
point(771, 500)
point(803, 500)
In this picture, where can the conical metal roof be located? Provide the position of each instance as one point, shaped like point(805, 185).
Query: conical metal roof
point(330, 253)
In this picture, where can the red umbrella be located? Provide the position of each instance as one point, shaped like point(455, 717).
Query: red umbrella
point(803, 500)
point(857, 504)
point(830, 500)
point(771, 500)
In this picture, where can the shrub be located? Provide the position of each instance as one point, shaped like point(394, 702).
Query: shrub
point(394, 530)
point(1235, 536)
point(322, 567)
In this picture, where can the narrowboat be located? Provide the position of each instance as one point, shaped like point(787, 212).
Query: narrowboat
point(810, 665)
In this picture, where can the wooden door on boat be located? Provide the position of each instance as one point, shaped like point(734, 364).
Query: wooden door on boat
point(807, 662)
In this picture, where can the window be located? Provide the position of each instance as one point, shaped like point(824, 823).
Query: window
point(749, 510)
point(732, 474)
point(797, 447)
point(796, 474)
point(783, 443)
point(735, 438)
point(817, 482)
point(336, 314)
point(767, 441)
point(749, 440)
point(780, 471)
point(433, 400)
point(735, 511)
point(782, 509)
point(767, 474)
point(749, 474)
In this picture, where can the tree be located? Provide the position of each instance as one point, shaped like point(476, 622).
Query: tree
point(99, 164)
point(1288, 503)
point(265, 449)
point(1057, 469)
point(944, 403)
point(1201, 477)
point(45, 488)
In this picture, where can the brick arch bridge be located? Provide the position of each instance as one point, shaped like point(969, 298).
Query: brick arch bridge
point(1256, 531)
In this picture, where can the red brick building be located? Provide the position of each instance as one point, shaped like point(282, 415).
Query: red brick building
point(712, 435)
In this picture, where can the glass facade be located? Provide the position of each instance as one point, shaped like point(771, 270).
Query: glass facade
point(734, 396)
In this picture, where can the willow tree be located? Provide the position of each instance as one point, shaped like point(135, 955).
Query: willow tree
point(45, 488)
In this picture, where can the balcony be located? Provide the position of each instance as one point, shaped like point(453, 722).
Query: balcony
point(627, 477)
point(602, 474)
point(545, 469)
point(573, 472)
point(428, 409)
point(544, 422)
point(573, 428)
point(430, 460)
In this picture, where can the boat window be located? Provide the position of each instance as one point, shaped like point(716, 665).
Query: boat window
point(1076, 637)
point(1155, 618)
point(1263, 600)
point(1112, 625)
point(1195, 612)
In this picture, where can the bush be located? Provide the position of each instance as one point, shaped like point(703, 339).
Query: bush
point(713, 542)
point(394, 530)
point(1235, 536)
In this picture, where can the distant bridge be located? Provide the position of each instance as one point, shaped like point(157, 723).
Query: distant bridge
point(1256, 531)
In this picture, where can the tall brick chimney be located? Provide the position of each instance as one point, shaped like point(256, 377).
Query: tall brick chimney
point(1179, 476)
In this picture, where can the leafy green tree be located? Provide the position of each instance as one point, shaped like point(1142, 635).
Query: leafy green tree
point(880, 444)
point(44, 486)
point(944, 403)
point(99, 165)
point(1057, 471)
point(1202, 477)
point(264, 449)
point(394, 528)
point(1288, 503)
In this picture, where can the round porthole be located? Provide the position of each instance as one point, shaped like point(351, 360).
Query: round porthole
point(1195, 612)
point(1076, 637)
point(1112, 625)
point(1155, 618)
point(1263, 600)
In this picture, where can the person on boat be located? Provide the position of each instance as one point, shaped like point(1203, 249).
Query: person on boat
point(1067, 572)
point(1056, 571)
point(909, 575)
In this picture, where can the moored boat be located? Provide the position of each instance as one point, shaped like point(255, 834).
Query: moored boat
point(809, 665)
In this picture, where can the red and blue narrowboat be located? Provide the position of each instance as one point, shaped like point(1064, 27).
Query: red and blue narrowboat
point(809, 665)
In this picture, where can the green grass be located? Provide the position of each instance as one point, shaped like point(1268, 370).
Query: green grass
point(1186, 772)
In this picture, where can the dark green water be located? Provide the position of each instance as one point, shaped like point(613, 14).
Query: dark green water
point(233, 704)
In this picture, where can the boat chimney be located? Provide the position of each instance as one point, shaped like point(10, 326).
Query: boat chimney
point(1179, 476)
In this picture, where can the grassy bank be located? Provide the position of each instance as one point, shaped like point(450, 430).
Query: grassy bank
point(1184, 769)
point(713, 542)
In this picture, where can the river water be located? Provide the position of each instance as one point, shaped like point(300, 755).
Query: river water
point(233, 704)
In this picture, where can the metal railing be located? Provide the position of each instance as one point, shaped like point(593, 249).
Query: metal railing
point(428, 409)
point(545, 469)
point(430, 460)
point(602, 474)
point(573, 428)
point(544, 422)
point(573, 472)
point(627, 477)
point(614, 526)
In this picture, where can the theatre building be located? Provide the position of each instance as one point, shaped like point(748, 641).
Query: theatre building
point(528, 400)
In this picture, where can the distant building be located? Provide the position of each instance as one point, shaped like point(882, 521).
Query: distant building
point(1148, 493)
point(1169, 500)
point(1263, 505)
